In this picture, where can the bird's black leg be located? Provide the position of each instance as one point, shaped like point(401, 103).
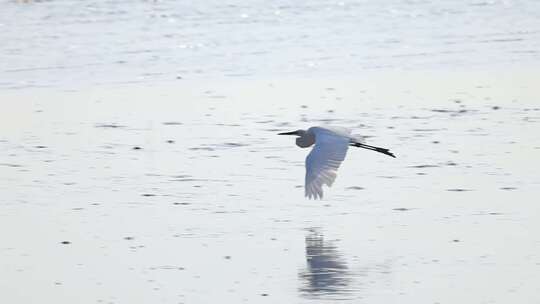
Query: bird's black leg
point(372, 148)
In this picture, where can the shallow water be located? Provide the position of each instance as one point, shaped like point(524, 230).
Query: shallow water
point(190, 199)
point(140, 162)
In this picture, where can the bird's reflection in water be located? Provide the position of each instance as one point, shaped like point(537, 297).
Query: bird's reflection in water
point(327, 274)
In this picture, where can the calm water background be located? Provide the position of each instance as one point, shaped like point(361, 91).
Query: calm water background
point(139, 161)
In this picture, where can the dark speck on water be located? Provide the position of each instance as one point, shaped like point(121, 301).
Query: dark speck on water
point(401, 209)
point(40, 147)
point(508, 188)
point(112, 126)
point(65, 242)
point(137, 148)
point(128, 238)
point(232, 144)
point(424, 166)
point(202, 148)
point(148, 194)
point(172, 123)
point(458, 190)
point(10, 165)
point(355, 188)
point(426, 130)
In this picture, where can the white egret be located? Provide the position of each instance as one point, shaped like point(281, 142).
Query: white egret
point(331, 145)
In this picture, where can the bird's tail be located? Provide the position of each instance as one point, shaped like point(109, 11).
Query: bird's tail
point(372, 148)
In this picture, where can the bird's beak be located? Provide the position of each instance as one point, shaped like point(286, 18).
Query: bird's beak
point(289, 133)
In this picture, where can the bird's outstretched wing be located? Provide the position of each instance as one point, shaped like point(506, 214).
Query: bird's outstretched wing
point(324, 160)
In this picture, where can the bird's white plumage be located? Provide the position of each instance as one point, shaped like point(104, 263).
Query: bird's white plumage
point(331, 145)
point(322, 163)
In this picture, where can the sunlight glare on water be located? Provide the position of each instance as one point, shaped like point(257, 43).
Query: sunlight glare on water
point(73, 43)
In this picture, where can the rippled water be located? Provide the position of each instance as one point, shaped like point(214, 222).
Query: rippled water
point(139, 161)
point(74, 43)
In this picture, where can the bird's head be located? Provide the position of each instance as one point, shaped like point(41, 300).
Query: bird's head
point(297, 133)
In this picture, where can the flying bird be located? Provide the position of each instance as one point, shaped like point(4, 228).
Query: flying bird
point(322, 163)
